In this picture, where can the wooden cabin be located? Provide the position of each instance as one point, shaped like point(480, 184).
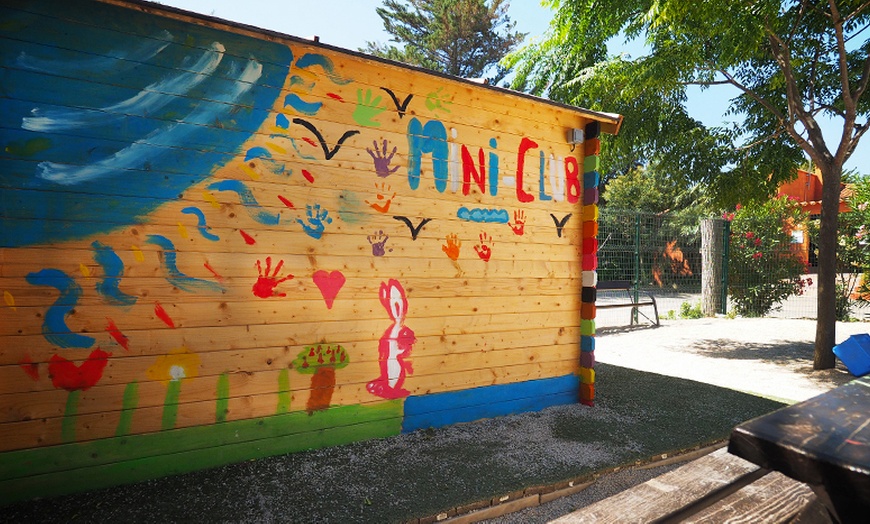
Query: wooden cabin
point(221, 243)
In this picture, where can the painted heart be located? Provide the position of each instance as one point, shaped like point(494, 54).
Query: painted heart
point(330, 284)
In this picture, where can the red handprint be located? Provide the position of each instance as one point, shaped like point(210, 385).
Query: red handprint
point(265, 285)
point(519, 224)
point(484, 249)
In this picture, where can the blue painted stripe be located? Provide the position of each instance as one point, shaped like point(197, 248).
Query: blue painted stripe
point(54, 327)
point(443, 409)
point(113, 268)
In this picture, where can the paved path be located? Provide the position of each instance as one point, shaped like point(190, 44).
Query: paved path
point(766, 357)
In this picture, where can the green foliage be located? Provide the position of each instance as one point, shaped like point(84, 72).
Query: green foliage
point(854, 250)
point(319, 356)
point(763, 270)
point(458, 37)
point(688, 311)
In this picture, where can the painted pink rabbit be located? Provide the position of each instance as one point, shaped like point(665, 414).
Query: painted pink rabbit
point(395, 345)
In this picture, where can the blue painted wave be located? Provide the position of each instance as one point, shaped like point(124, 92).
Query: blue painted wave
point(191, 90)
point(113, 268)
point(248, 200)
point(54, 327)
point(176, 277)
point(497, 216)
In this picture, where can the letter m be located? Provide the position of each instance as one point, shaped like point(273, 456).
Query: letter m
point(424, 139)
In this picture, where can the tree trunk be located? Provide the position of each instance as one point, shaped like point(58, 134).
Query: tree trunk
point(826, 316)
point(711, 266)
point(322, 386)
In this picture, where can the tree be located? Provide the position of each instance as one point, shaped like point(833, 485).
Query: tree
point(791, 62)
point(458, 37)
point(320, 361)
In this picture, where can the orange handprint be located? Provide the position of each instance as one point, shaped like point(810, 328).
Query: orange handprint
point(484, 249)
point(265, 285)
point(452, 247)
point(519, 224)
point(383, 189)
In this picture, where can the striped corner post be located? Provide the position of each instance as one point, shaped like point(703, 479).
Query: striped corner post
point(591, 179)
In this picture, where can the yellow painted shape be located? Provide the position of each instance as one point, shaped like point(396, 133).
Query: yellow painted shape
point(10, 300)
point(587, 375)
point(590, 213)
point(211, 199)
point(84, 270)
point(251, 173)
point(137, 253)
point(182, 231)
point(276, 148)
point(305, 75)
point(177, 364)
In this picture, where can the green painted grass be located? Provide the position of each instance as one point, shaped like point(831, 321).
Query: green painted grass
point(71, 468)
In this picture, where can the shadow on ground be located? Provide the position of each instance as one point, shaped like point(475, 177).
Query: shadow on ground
point(796, 356)
point(637, 416)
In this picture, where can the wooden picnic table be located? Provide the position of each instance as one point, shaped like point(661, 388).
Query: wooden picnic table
point(824, 442)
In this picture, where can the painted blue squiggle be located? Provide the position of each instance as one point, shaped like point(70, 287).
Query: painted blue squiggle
point(201, 225)
point(248, 200)
point(257, 152)
point(313, 59)
point(496, 216)
point(306, 108)
point(113, 268)
point(176, 277)
point(54, 327)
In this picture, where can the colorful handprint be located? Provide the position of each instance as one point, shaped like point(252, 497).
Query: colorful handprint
point(367, 108)
point(268, 280)
point(484, 249)
point(452, 247)
point(382, 160)
point(519, 224)
point(378, 240)
point(382, 202)
point(316, 221)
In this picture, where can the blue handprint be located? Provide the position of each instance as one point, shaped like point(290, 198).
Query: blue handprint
point(317, 220)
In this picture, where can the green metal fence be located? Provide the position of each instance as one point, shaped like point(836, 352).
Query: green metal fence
point(660, 254)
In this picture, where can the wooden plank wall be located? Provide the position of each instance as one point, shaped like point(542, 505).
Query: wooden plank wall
point(213, 237)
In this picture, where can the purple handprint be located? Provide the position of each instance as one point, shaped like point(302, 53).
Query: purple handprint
point(382, 160)
point(378, 241)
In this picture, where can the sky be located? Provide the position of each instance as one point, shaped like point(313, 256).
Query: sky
point(351, 23)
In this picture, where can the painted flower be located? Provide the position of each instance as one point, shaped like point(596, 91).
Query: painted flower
point(66, 375)
point(177, 364)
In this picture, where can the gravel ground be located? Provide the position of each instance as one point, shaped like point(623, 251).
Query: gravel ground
point(677, 387)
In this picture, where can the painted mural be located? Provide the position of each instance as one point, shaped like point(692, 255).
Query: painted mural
point(217, 247)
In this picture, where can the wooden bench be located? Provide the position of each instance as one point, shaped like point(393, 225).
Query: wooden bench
point(628, 288)
point(718, 487)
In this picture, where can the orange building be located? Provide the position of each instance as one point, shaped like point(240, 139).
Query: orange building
point(806, 189)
